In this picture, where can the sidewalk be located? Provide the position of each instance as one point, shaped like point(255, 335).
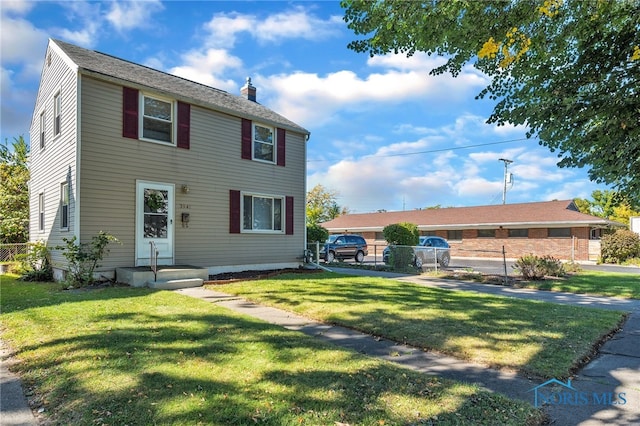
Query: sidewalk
point(14, 410)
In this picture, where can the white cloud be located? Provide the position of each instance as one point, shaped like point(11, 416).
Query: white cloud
point(22, 43)
point(207, 67)
point(478, 187)
point(570, 190)
point(298, 23)
point(223, 28)
point(308, 97)
point(426, 177)
point(16, 6)
point(90, 19)
point(17, 107)
point(128, 15)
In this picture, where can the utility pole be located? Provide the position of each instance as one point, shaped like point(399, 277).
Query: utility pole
point(506, 175)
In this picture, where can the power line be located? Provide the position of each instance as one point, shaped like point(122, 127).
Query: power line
point(434, 150)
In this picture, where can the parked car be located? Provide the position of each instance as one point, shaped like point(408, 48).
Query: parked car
point(425, 252)
point(344, 246)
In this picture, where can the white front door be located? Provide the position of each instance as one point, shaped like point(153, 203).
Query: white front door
point(154, 223)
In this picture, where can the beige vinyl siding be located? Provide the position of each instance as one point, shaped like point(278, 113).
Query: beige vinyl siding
point(111, 165)
point(54, 164)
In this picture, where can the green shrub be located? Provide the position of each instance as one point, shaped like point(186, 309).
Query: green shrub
point(316, 233)
point(35, 265)
point(536, 268)
point(620, 246)
point(551, 266)
point(402, 258)
point(401, 237)
point(402, 234)
point(84, 258)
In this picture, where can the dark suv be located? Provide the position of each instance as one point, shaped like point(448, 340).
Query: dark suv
point(343, 246)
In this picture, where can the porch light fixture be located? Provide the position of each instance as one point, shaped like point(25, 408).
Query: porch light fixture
point(185, 189)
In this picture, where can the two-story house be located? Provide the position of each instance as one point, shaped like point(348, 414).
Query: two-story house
point(179, 172)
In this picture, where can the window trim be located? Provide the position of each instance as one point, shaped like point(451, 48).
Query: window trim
point(57, 114)
point(274, 143)
point(65, 213)
point(41, 212)
point(141, 117)
point(283, 213)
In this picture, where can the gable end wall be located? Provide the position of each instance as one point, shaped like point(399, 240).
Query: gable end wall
point(56, 163)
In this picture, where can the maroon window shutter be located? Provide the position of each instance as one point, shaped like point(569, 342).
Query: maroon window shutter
point(280, 140)
point(289, 216)
point(184, 125)
point(129, 113)
point(234, 211)
point(246, 139)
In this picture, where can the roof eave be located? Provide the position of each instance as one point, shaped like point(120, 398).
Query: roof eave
point(512, 225)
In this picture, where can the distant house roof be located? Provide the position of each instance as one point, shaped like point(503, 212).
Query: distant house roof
point(548, 214)
point(109, 67)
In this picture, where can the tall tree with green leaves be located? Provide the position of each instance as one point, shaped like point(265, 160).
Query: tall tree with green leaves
point(14, 192)
point(610, 205)
point(569, 70)
point(322, 205)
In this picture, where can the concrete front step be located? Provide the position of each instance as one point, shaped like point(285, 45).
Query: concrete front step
point(176, 284)
point(171, 276)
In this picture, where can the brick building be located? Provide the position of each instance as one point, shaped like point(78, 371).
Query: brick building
point(553, 228)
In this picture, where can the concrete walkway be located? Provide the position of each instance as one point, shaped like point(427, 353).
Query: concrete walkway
point(14, 409)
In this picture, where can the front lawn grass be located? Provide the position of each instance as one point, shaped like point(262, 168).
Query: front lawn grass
point(118, 356)
point(540, 339)
point(593, 282)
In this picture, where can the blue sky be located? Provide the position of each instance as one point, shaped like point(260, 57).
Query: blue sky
point(384, 134)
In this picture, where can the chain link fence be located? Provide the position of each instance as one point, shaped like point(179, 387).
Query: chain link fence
point(8, 252)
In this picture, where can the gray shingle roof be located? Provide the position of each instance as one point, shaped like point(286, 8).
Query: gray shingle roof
point(181, 88)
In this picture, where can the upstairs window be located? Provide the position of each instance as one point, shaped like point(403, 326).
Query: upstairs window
point(157, 119)
point(154, 119)
point(56, 114)
point(64, 206)
point(263, 143)
point(43, 124)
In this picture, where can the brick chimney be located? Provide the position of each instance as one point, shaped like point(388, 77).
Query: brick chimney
point(248, 90)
